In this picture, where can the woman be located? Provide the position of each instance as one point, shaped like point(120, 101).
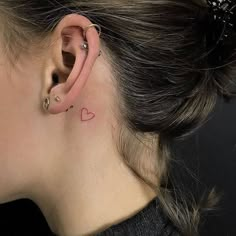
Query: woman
point(93, 95)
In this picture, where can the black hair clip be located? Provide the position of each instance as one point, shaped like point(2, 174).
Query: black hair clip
point(222, 24)
point(223, 15)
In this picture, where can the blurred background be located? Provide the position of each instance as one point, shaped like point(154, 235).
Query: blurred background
point(209, 160)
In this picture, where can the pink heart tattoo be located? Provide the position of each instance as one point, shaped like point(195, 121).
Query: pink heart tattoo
point(86, 115)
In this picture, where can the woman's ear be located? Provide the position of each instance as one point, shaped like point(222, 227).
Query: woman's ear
point(74, 49)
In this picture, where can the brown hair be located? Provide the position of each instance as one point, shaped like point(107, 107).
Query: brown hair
point(167, 86)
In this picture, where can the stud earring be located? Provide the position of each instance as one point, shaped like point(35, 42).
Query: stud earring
point(84, 46)
point(57, 98)
point(46, 103)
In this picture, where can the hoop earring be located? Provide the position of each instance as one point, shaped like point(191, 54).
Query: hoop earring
point(90, 26)
point(85, 46)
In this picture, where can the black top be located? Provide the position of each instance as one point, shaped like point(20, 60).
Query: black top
point(150, 221)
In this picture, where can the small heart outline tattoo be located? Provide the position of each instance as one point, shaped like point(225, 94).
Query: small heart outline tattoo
point(86, 115)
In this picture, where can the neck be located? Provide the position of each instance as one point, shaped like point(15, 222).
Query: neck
point(88, 193)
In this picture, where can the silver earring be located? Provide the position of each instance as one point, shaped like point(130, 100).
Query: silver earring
point(90, 26)
point(84, 46)
point(46, 103)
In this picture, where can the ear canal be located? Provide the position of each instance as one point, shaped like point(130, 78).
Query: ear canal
point(68, 59)
point(55, 78)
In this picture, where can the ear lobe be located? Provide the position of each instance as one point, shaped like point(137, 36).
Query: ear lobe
point(72, 62)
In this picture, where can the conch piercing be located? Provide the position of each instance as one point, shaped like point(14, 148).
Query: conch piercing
point(84, 46)
point(46, 103)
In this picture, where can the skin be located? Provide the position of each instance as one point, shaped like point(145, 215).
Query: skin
point(66, 162)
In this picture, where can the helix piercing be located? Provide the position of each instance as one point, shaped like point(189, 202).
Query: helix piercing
point(90, 26)
point(84, 46)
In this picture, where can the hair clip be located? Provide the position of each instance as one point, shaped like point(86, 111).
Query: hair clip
point(223, 15)
point(222, 24)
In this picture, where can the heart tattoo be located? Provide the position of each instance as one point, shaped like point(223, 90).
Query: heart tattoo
point(86, 115)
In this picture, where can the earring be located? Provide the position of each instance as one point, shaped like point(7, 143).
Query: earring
point(84, 46)
point(57, 98)
point(46, 103)
point(98, 27)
